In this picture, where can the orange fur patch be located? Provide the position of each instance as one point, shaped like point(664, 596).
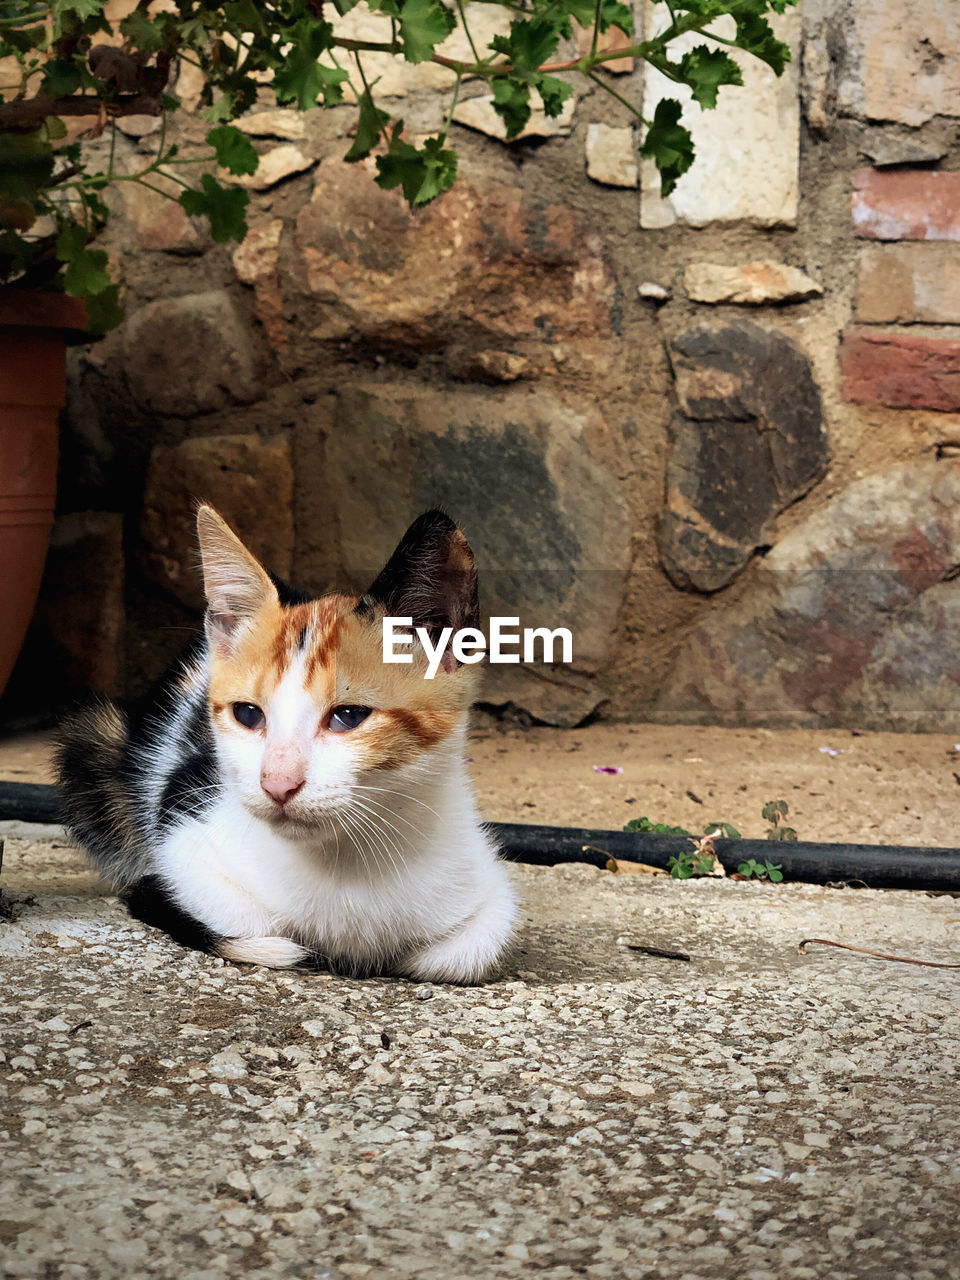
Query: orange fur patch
point(343, 665)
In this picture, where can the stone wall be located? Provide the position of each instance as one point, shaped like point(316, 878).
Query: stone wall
point(716, 435)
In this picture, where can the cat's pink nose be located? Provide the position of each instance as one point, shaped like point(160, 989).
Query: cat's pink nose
point(280, 787)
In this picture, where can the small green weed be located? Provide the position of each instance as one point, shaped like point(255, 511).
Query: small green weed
point(702, 861)
point(775, 811)
point(686, 865)
point(656, 828)
point(753, 870)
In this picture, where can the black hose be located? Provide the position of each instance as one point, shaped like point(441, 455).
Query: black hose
point(878, 866)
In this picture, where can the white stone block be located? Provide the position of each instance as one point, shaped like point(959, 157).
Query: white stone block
point(746, 168)
point(612, 155)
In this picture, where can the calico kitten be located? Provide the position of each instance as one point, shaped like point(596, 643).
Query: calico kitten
point(286, 795)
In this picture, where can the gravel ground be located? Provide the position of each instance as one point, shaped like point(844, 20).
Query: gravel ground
point(596, 1112)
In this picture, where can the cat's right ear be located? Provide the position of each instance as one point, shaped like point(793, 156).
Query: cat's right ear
point(235, 583)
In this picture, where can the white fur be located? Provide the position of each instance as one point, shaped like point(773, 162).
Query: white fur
point(386, 871)
point(272, 953)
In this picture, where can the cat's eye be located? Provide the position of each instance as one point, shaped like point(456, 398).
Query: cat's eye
point(249, 715)
point(343, 719)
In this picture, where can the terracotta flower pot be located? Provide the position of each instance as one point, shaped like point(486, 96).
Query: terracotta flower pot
point(34, 331)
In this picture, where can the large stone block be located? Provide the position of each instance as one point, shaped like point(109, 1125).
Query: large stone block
point(477, 265)
point(255, 261)
point(880, 60)
point(909, 59)
point(247, 478)
point(906, 204)
point(534, 484)
point(900, 370)
point(850, 620)
point(161, 223)
point(80, 614)
point(747, 148)
point(191, 354)
point(752, 441)
point(909, 283)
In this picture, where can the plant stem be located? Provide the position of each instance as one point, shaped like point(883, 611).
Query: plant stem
point(453, 107)
point(466, 31)
point(608, 88)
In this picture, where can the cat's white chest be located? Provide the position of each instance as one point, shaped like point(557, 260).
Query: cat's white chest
point(243, 878)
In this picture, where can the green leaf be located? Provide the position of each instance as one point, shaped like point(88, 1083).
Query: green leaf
point(344, 6)
point(774, 810)
point(423, 25)
point(755, 34)
point(235, 152)
point(104, 309)
point(71, 242)
point(656, 828)
point(668, 144)
point(26, 164)
point(60, 78)
point(423, 174)
point(224, 207)
point(300, 78)
point(222, 109)
point(530, 42)
point(705, 70)
point(553, 93)
point(332, 82)
point(82, 8)
point(511, 101)
point(86, 271)
point(23, 39)
point(612, 14)
point(142, 32)
point(370, 124)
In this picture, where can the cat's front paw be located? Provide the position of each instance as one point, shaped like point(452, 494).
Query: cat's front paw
point(472, 951)
point(271, 952)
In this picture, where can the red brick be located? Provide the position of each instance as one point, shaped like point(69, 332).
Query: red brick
point(900, 371)
point(909, 283)
point(906, 204)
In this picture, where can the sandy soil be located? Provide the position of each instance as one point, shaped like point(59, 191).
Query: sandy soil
point(881, 788)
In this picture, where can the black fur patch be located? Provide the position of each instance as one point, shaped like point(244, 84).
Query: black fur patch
point(430, 577)
point(289, 596)
point(149, 901)
point(192, 787)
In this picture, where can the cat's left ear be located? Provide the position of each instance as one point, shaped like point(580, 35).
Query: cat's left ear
point(431, 577)
point(235, 583)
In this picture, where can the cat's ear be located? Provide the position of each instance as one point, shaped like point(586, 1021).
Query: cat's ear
point(431, 577)
point(235, 583)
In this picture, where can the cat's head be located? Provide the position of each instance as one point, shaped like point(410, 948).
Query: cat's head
point(307, 716)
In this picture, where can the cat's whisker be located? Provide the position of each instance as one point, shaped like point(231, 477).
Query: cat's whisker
point(390, 791)
point(374, 835)
point(384, 814)
point(379, 825)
